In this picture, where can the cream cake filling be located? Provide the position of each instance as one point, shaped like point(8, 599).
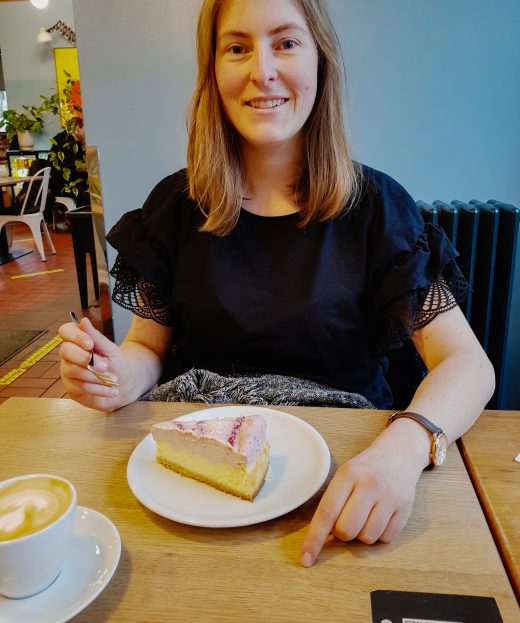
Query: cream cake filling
point(229, 440)
point(231, 454)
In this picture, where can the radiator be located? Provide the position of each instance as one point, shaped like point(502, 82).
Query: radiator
point(486, 236)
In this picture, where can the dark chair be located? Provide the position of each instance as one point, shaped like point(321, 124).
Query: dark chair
point(82, 232)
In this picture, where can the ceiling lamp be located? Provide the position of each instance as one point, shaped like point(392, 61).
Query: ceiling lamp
point(65, 31)
point(40, 4)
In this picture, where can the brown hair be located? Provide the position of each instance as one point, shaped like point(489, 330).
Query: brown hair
point(328, 181)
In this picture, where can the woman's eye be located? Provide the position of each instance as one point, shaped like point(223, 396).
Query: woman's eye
point(288, 44)
point(236, 49)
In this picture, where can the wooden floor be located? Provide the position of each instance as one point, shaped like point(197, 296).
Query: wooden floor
point(40, 301)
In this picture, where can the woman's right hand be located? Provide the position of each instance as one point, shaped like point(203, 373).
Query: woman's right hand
point(81, 384)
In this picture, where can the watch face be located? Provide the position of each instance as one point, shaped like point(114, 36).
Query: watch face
point(440, 449)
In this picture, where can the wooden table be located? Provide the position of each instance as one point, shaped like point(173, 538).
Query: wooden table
point(489, 450)
point(5, 256)
point(174, 572)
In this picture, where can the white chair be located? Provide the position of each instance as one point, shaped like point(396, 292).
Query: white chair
point(34, 220)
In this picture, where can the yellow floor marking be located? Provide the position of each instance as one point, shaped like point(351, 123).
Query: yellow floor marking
point(43, 272)
point(30, 361)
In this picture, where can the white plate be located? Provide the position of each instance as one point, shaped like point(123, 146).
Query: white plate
point(94, 555)
point(299, 463)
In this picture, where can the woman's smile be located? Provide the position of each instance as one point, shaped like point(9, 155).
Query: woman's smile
point(267, 104)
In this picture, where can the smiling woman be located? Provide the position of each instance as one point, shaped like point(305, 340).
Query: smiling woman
point(251, 57)
point(275, 257)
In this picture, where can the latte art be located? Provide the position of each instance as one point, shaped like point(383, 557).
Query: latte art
point(28, 506)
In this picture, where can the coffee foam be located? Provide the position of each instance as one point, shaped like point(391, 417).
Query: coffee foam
point(30, 505)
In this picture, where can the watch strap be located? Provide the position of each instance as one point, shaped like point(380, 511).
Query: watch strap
point(418, 418)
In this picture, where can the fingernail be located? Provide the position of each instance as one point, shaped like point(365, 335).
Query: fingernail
point(101, 365)
point(306, 560)
point(114, 391)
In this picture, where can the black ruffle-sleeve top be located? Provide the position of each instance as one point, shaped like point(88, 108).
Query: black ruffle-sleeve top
point(325, 302)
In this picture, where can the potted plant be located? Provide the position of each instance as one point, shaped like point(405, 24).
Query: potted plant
point(67, 155)
point(24, 124)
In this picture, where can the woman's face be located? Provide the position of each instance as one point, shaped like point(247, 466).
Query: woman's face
point(266, 66)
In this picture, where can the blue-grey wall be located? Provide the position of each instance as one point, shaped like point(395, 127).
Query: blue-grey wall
point(434, 98)
point(435, 93)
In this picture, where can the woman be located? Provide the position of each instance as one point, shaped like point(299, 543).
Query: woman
point(274, 252)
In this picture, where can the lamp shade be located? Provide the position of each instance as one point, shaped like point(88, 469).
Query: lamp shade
point(43, 36)
point(40, 4)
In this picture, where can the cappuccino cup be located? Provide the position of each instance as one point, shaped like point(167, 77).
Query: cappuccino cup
point(37, 514)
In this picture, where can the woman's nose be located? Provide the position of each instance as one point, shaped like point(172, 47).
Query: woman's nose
point(263, 66)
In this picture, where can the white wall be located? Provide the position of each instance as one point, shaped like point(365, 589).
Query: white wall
point(29, 68)
point(137, 71)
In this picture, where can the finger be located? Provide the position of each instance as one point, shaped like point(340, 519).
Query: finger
point(102, 345)
point(376, 524)
point(354, 514)
point(80, 373)
point(329, 508)
point(99, 403)
point(71, 332)
point(77, 389)
point(396, 524)
point(74, 354)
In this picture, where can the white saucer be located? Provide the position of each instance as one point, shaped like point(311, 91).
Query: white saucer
point(94, 554)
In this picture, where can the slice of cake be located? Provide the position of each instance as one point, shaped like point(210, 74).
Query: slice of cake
point(230, 454)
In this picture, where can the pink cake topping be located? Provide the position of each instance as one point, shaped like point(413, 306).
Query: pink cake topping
point(244, 435)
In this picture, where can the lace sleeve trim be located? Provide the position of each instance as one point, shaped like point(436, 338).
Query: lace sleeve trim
point(145, 299)
point(418, 308)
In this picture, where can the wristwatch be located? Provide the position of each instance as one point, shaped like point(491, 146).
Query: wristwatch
point(439, 445)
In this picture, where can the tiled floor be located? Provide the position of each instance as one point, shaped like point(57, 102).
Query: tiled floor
point(40, 302)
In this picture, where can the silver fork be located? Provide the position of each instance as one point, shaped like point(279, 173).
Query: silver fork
point(105, 378)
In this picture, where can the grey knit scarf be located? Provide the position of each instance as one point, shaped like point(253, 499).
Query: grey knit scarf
point(268, 389)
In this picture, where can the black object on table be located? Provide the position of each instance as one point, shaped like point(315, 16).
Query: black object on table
point(82, 232)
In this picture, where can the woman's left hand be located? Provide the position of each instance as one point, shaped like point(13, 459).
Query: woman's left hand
point(369, 498)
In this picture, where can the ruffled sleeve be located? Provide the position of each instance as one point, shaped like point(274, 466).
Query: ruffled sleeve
point(414, 275)
point(146, 244)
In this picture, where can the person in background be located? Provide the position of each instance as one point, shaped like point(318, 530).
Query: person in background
point(72, 145)
point(69, 177)
point(275, 252)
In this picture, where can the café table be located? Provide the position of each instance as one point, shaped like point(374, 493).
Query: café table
point(171, 571)
point(5, 256)
point(489, 449)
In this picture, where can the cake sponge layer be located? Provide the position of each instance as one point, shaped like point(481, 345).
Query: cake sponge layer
point(239, 481)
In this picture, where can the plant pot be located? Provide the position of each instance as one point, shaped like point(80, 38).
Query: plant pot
point(25, 140)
